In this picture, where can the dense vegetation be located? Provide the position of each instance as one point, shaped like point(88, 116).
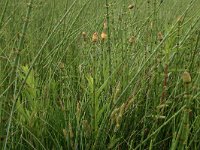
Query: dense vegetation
point(99, 74)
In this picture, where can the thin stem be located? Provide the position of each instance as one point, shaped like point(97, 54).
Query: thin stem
point(108, 42)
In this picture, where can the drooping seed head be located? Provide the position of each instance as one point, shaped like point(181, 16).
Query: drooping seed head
point(122, 108)
point(129, 103)
point(113, 114)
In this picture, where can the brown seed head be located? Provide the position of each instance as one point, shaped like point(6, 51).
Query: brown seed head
point(103, 36)
point(95, 37)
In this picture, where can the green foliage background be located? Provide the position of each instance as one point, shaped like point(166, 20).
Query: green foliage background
point(59, 90)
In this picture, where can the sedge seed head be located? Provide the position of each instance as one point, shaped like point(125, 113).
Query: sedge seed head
point(114, 113)
point(122, 108)
point(129, 104)
point(118, 119)
point(103, 36)
point(95, 37)
point(117, 90)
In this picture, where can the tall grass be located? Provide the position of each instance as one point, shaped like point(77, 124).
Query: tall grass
point(61, 89)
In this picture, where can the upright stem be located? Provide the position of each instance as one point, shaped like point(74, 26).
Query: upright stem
point(108, 42)
point(94, 91)
point(16, 63)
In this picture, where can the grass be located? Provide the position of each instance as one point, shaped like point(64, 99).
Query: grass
point(61, 89)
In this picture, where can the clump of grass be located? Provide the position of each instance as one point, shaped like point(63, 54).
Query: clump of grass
point(77, 76)
point(183, 132)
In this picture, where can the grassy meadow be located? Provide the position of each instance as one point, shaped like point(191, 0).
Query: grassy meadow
point(100, 74)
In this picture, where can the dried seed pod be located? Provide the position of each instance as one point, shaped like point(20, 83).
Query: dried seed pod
point(103, 36)
point(95, 37)
point(186, 77)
